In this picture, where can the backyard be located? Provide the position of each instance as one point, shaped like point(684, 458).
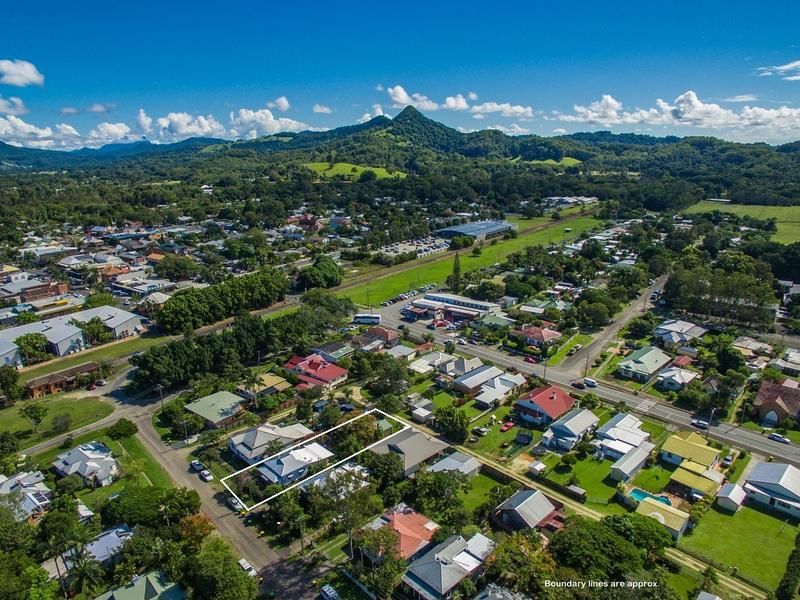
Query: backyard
point(479, 492)
point(496, 444)
point(756, 543)
point(561, 353)
point(79, 411)
point(653, 479)
point(592, 475)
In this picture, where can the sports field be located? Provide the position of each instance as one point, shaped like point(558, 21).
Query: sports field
point(381, 289)
point(788, 216)
point(350, 171)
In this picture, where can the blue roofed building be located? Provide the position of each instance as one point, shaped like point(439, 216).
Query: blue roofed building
point(479, 230)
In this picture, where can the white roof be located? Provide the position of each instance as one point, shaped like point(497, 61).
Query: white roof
point(776, 475)
point(681, 376)
point(733, 492)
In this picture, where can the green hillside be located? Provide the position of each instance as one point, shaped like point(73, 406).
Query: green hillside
point(350, 171)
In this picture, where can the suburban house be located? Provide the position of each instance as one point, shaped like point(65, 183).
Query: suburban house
point(412, 446)
point(674, 521)
point(777, 401)
point(29, 491)
point(92, 461)
point(620, 434)
point(152, 303)
point(543, 405)
point(688, 446)
point(630, 463)
point(294, 464)
point(537, 307)
point(430, 362)
point(439, 571)
point(535, 335)
point(313, 370)
point(566, 432)
point(731, 496)
point(104, 547)
point(148, 586)
point(366, 344)
point(389, 337)
point(674, 379)
point(529, 509)
point(674, 333)
point(471, 382)
point(414, 530)
point(61, 381)
point(457, 461)
point(775, 486)
point(460, 366)
point(334, 351)
point(218, 410)
point(267, 385)
point(789, 363)
point(493, 392)
point(751, 348)
point(251, 445)
point(643, 364)
point(695, 475)
point(401, 352)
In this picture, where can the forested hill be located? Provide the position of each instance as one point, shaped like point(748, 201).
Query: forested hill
point(411, 142)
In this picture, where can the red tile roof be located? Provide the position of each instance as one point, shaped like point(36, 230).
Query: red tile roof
point(553, 401)
point(414, 531)
point(315, 367)
point(382, 333)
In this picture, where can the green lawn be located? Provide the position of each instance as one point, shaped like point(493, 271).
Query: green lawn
point(491, 444)
point(350, 171)
point(109, 352)
point(561, 354)
point(593, 476)
point(81, 412)
point(653, 479)
point(683, 582)
point(437, 271)
point(788, 216)
point(286, 310)
point(755, 542)
point(479, 492)
point(658, 432)
point(347, 589)
point(566, 161)
point(334, 549)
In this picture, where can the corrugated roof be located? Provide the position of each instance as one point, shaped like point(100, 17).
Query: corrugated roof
point(669, 516)
point(691, 448)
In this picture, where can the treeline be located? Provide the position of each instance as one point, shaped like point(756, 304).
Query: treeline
point(787, 588)
point(202, 306)
point(182, 361)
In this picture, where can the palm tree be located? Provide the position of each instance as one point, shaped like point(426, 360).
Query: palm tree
point(86, 573)
point(251, 382)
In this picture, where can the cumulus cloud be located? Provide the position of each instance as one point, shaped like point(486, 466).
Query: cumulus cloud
point(400, 99)
point(472, 96)
point(17, 132)
point(254, 123)
point(689, 110)
point(505, 109)
point(788, 72)
point(110, 132)
point(513, 129)
point(69, 110)
point(377, 111)
point(281, 103)
point(67, 130)
point(379, 87)
point(99, 108)
point(741, 98)
point(559, 130)
point(144, 122)
point(457, 102)
point(322, 109)
point(12, 106)
point(19, 73)
point(177, 126)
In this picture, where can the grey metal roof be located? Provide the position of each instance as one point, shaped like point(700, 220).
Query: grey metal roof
point(786, 477)
point(531, 505)
point(457, 461)
point(413, 446)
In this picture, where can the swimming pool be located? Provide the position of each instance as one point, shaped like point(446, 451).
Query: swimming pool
point(640, 495)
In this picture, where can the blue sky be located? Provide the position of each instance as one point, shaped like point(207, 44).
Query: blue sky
point(71, 77)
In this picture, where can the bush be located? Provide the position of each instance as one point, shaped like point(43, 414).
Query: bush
point(69, 485)
point(61, 423)
point(791, 578)
point(122, 429)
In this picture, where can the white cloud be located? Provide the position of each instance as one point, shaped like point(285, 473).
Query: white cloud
point(67, 130)
point(457, 102)
point(379, 87)
point(100, 107)
point(377, 111)
point(281, 103)
point(788, 72)
point(688, 110)
point(478, 116)
point(109, 132)
point(18, 132)
point(466, 129)
point(559, 130)
point(254, 123)
point(181, 125)
point(20, 73)
point(741, 98)
point(513, 129)
point(472, 96)
point(505, 109)
point(69, 110)
point(400, 99)
point(12, 106)
point(322, 109)
point(144, 122)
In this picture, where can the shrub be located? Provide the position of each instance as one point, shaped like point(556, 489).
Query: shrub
point(122, 429)
point(69, 485)
point(61, 423)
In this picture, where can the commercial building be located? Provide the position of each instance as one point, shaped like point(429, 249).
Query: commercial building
point(479, 230)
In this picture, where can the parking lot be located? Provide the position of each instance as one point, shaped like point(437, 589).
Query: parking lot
point(422, 246)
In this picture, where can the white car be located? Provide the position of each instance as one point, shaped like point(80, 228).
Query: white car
point(247, 567)
point(777, 437)
point(206, 475)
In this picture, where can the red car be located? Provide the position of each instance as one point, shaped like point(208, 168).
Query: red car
point(530, 359)
point(91, 387)
point(506, 426)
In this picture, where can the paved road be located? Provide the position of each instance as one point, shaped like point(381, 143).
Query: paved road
point(726, 433)
point(576, 363)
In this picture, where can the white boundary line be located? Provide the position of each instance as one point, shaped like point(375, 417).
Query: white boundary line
point(406, 426)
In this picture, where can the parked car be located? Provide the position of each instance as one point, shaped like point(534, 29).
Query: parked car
point(777, 437)
point(530, 359)
point(727, 461)
point(700, 423)
point(197, 466)
point(100, 382)
point(247, 567)
point(234, 504)
point(507, 425)
point(206, 475)
point(578, 384)
point(328, 592)
point(481, 431)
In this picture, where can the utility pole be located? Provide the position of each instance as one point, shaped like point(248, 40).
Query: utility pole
point(160, 390)
point(710, 421)
point(586, 366)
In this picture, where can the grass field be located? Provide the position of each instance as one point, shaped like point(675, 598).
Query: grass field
point(652, 479)
point(382, 288)
point(350, 171)
point(109, 352)
point(755, 542)
point(479, 492)
point(566, 161)
point(561, 354)
point(788, 216)
point(81, 412)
